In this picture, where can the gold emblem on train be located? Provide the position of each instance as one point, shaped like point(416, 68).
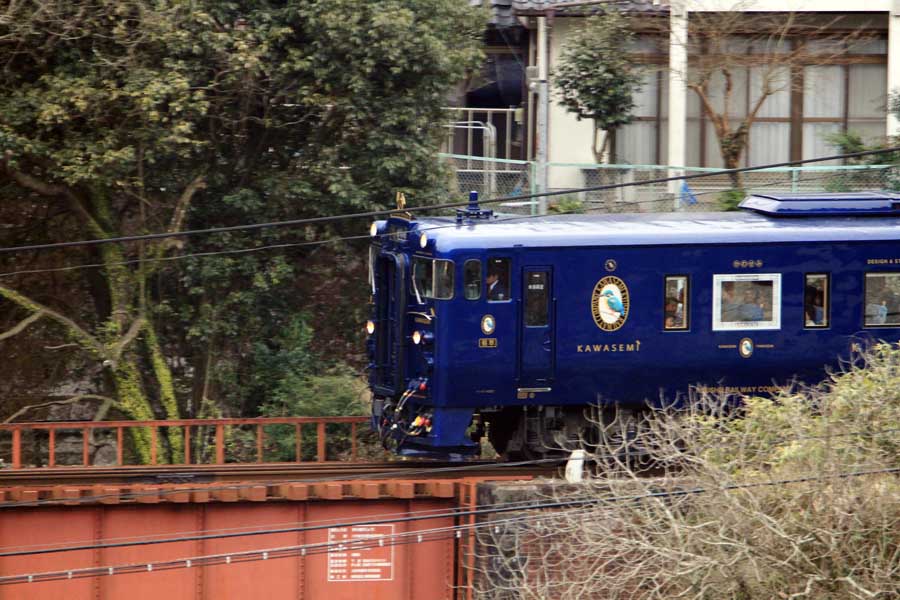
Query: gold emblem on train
point(610, 303)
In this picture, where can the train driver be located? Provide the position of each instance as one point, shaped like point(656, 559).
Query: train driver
point(496, 289)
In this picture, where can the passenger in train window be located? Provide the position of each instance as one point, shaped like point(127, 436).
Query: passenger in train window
point(814, 306)
point(730, 305)
point(751, 308)
point(876, 300)
point(674, 313)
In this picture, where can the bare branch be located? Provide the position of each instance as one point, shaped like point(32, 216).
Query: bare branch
point(107, 402)
point(33, 183)
point(22, 325)
point(180, 212)
point(136, 326)
point(199, 183)
point(84, 339)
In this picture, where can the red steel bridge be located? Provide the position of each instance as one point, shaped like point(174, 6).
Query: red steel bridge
point(226, 516)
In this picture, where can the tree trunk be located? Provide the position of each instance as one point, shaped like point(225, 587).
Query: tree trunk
point(731, 146)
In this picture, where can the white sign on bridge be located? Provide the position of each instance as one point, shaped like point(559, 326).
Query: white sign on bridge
point(346, 563)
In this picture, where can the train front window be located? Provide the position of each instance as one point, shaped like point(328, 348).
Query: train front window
point(373, 255)
point(443, 279)
point(422, 278)
point(743, 302)
point(816, 301)
point(432, 278)
point(472, 279)
point(497, 280)
point(882, 300)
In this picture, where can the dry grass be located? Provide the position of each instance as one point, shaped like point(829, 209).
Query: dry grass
point(743, 531)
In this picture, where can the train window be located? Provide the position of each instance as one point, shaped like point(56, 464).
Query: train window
point(816, 300)
point(882, 300)
point(746, 302)
point(675, 311)
point(443, 279)
point(537, 293)
point(432, 278)
point(472, 279)
point(497, 280)
point(422, 277)
point(373, 256)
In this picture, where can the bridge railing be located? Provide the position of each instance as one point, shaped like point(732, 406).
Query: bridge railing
point(200, 441)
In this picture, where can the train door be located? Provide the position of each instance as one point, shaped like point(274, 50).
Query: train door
point(390, 305)
point(537, 355)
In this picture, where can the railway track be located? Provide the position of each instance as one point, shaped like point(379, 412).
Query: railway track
point(203, 474)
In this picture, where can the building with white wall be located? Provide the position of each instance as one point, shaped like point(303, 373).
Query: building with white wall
point(848, 92)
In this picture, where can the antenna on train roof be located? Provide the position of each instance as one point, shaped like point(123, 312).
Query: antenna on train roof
point(473, 210)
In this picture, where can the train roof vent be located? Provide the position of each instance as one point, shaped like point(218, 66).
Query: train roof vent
point(825, 204)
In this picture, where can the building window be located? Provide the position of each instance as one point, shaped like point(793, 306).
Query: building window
point(843, 91)
point(743, 302)
point(816, 301)
point(675, 313)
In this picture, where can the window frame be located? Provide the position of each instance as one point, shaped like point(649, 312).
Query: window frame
point(865, 302)
point(772, 325)
point(686, 309)
point(826, 310)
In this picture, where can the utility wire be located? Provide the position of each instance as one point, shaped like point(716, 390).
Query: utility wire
point(412, 472)
point(237, 251)
point(177, 536)
point(304, 549)
point(181, 536)
point(503, 507)
point(385, 212)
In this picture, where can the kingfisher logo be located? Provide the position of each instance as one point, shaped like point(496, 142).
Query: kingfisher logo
point(609, 303)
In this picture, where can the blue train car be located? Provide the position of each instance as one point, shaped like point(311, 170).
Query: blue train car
point(516, 325)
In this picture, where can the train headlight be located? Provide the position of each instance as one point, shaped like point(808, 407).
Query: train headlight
point(373, 229)
point(370, 327)
point(423, 240)
point(417, 337)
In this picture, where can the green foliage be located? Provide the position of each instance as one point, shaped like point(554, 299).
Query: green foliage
point(567, 205)
point(296, 383)
point(730, 199)
point(595, 78)
point(119, 118)
point(851, 142)
point(849, 420)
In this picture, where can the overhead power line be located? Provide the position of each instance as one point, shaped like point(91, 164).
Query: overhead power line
point(70, 545)
point(334, 240)
point(446, 205)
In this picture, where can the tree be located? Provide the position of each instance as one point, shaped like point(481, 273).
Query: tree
point(595, 78)
point(120, 118)
point(851, 142)
point(732, 53)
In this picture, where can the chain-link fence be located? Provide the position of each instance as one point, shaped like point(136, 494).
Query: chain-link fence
point(494, 178)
